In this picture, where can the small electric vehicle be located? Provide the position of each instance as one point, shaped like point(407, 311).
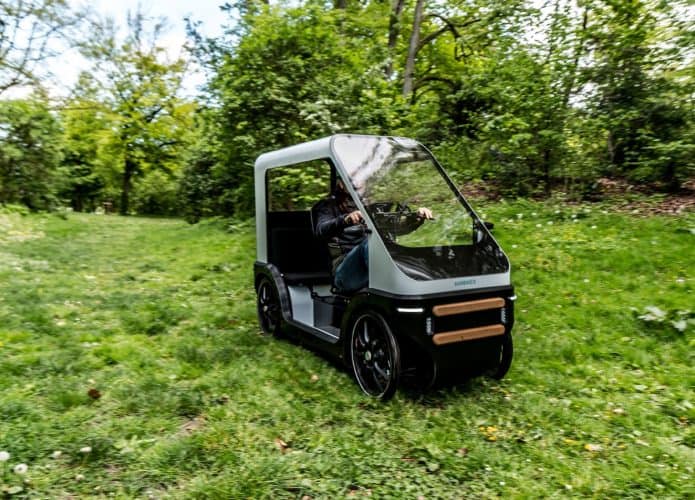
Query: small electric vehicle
point(439, 305)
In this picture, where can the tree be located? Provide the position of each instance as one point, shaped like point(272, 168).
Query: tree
point(30, 152)
point(139, 85)
point(646, 114)
point(86, 124)
point(293, 74)
point(29, 32)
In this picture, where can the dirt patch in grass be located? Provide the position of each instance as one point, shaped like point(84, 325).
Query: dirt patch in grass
point(619, 194)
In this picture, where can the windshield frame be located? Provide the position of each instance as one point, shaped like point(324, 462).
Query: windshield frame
point(344, 172)
point(427, 270)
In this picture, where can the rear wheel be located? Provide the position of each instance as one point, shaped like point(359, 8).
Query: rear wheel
point(375, 356)
point(268, 307)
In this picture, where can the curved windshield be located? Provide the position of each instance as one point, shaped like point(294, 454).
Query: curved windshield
point(429, 230)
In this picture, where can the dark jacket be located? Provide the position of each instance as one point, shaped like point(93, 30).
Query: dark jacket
point(329, 225)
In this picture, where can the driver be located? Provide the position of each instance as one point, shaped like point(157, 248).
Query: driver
point(348, 248)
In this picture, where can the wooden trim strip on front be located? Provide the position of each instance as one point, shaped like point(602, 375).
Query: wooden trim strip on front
point(480, 332)
point(466, 307)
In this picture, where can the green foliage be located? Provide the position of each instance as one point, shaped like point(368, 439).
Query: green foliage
point(298, 73)
point(528, 100)
point(159, 317)
point(29, 33)
point(147, 125)
point(298, 188)
point(30, 151)
point(636, 97)
point(157, 192)
point(86, 129)
point(523, 100)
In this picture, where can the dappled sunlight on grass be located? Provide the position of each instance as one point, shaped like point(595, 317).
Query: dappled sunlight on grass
point(136, 339)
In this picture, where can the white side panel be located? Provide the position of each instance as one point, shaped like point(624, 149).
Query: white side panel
point(302, 305)
point(261, 232)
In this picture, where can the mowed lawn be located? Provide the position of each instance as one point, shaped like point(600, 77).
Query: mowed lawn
point(131, 365)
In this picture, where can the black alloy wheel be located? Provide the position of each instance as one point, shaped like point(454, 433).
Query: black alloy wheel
point(268, 306)
point(504, 361)
point(375, 356)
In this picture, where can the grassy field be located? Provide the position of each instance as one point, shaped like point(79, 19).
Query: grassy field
point(131, 365)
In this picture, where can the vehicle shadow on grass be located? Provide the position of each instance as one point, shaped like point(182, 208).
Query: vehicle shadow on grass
point(411, 386)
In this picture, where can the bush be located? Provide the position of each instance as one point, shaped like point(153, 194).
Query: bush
point(157, 194)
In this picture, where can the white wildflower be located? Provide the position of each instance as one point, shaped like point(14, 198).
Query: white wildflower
point(21, 468)
point(56, 454)
point(4, 456)
point(79, 477)
point(86, 449)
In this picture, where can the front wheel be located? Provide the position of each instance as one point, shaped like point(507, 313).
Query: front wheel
point(268, 307)
point(375, 356)
point(504, 359)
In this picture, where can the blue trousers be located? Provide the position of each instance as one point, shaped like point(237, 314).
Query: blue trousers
point(353, 272)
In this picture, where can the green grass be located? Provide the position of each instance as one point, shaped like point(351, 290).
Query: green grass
point(159, 317)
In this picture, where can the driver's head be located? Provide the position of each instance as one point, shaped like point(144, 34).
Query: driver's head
point(340, 192)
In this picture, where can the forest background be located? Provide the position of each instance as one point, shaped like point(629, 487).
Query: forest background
point(515, 98)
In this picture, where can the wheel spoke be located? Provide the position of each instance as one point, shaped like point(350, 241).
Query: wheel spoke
point(377, 380)
point(384, 373)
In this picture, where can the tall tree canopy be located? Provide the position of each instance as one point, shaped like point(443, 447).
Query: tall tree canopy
point(138, 84)
point(525, 97)
point(29, 35)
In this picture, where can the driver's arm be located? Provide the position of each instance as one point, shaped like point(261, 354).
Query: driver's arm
point(410, 224)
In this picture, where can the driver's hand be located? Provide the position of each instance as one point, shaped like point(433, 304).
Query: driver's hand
point(425, 213)
point(354, 217)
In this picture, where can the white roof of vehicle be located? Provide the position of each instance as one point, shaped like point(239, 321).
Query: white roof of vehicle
point(307, 151)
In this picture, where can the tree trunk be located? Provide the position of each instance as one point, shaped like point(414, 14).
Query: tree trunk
point(394, 21)
point(578, 52)
point(546, 171)
point(340, 4)
point(408, 77)
point(128, 171)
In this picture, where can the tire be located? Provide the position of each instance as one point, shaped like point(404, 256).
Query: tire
point(268, 307)
point(375, 356)
point(505, 358)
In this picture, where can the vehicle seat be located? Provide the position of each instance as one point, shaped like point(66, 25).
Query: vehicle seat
point(293, 248)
